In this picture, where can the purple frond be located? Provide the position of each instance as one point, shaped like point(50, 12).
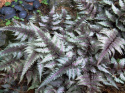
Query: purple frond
point(13, 49)
point(111, 43)
point(59, 72)
point(7, 63)
point(52, 47)
point(73, 27)
point(29, 32)
point(30, 61)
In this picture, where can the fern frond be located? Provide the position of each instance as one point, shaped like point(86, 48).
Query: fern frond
point(113, 14)
point(30, 61)
point(107, 2)
point(40, 68)
point(110, 43)
point(21, 31)
point(105, 23)
point(110, 16)
point(61, 46)
point(76, 24)
point(88, 8)
point(122, 4)
point(90, 80)
point(48, 42)
point(117, 70)
point(13, 48)
point(51, 22)
point(6, 63)
point(116, 10)
point(120, 25)
point(58, 72)
point(29, 75)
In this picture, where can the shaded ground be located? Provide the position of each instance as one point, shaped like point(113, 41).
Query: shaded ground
point(2, 2)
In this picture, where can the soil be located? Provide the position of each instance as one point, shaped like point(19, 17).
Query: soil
point(2, 2)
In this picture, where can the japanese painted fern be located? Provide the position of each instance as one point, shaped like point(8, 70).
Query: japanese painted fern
point(62, 49)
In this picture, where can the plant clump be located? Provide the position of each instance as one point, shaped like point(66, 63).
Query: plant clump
point(63, 54)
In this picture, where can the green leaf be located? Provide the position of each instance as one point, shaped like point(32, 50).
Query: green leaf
point(8, 23)
point(20, 2)
point(21, 19)
point(7, 3)
point(16, 0)
point(44, 2)
point(12, 5)
point(16, 17)
point(118, 60)
point(38, 11)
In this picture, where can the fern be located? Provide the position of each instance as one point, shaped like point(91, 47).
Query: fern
point(111, 43)
point(31, 59)
point(56, 49)
point(14, 49)
point(113, 15)
point(87, 8)
point(59, 72)
point(21, 31)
